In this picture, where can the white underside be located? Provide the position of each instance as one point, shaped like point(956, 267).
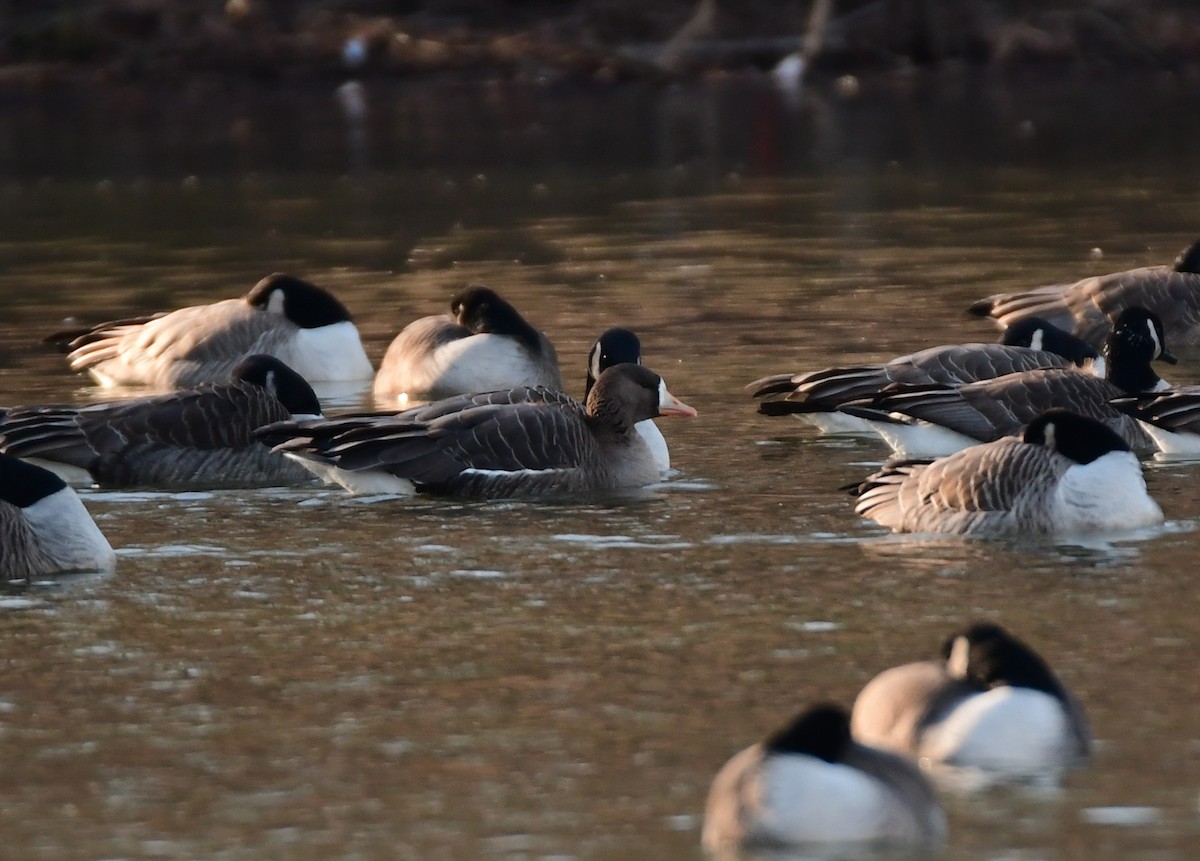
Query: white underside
point(478, 363)
point(69, 535)
point(328, 353)
point(837, 423)
point(921, 439)
point(1107, 495)
point(1172, 443)
point(1014, 732)
point(657, 443)
point(808, 800)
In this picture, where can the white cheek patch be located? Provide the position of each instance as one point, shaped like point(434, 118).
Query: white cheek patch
point(1035, 343)
point(275, 303)
point(960, 654)
point(663, 396)
point(1154, 337)
point(1049, 432)
point(594, 362)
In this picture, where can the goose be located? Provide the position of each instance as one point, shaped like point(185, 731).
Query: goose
point(991, 704)
point(1171, 418)
point(44, 528)
point(810, 782)
point(613, 347)
point(816, 397)
point(194, 438)
point(483, 344)
point(493, 446)
point(939, 420)
point(297, 322)
point(1089, 307)
point(1068, 475)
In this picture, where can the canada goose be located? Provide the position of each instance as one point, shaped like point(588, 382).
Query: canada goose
point(937, 420)
point(1068, 475)
point(815, 397)
point(1089, 307)
point(44, 528)
point(991, 703)
point(509, 445)
point(614, 347)
point(811, 782)
point(201, 437)
point(1170, 417)
point(482, 345)
point(296, 322)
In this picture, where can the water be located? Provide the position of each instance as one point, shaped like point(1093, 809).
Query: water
point(294, 673)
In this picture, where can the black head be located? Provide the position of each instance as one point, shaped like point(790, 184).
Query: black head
point(291, 389)
point(1189, 259)
point(481, 310)
point(822, 731)
point(1137, 338)
point(23, 484)
point(1080, 438)
point(1039, 334)
point(987, 656)
point(614, 347)
point(306, 305)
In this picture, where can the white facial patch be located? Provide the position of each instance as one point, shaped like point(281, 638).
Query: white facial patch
point(960, 655)
point(664, 397)
point(275, 303)
point(1050, 431)
point(594, 362)
point(1035, 343)
point(272, 387)
point(1154, 337)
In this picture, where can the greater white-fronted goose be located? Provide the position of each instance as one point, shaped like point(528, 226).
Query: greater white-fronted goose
point(502, 444)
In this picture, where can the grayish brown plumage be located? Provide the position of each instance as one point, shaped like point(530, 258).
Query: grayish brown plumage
point(511, 443)
point(194, 438)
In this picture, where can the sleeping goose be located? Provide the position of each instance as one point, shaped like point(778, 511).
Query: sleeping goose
point(1068, 475)
point(815, 397)
point(44, 528)
point(503, 445)
point(300, 324)
point(936, 420)
point(812, 783)
point(1089, 307)
point(482, 345)
point(194, 438)
point(614, 347)
point(991, 703)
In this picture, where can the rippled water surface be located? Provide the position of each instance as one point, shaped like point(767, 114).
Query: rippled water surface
point(294, 673)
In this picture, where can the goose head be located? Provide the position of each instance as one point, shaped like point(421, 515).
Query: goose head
point(1136, 340)
point(987, 656)
point(1189, 259)
point(615, 346)
point(304, 304)
point(822, 731)
point(1077, 437)
point(276, 378)
point(1039, 334)
point(627, 394)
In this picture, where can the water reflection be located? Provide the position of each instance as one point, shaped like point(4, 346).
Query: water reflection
point(372, 678)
